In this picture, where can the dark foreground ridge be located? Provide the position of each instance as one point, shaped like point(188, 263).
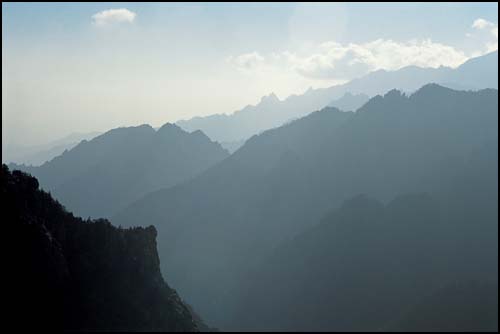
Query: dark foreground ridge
point(72, 274)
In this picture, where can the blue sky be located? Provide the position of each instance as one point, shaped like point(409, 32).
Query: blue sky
point(65, 69)
point(262, 25)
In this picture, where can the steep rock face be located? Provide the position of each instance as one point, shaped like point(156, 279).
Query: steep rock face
point(71, 274)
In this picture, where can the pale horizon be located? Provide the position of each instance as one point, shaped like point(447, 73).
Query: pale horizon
point(93, 67)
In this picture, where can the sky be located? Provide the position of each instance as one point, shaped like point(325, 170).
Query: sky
point(85, 67)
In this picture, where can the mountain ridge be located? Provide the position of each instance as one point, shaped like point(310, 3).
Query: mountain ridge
point(240, 125)
point(283, 180)
point(85, 269)
point(129, 162)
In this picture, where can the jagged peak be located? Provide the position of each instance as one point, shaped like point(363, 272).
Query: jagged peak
point(170, 128)
point(201, 134)
point(431, 88)
point(173, 129)
point(269, 98)
point(394, 94)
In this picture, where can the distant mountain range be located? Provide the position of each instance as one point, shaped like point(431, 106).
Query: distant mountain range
point(360, 216)
point(232, 130)
point(270, 112)
point(98, 177)
point(39, 154)
point(70, 274)
point(216, 228)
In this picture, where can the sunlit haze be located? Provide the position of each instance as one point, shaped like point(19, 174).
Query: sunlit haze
point(91, 67)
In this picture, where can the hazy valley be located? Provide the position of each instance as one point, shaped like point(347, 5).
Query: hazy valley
point(369, 202)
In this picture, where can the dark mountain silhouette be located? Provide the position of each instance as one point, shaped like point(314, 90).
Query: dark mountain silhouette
point(215, 227)
point(122, 165)
point(476, 73)
point(75, 275)
point(458, 307)
point(368, 266)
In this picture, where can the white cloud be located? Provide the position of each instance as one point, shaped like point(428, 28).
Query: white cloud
point(112, 16)
point(347, 61)
point(485, 32)
point(482, 24)
point(333, 60)
point(247, 61)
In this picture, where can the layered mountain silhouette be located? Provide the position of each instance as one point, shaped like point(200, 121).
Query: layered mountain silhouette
point(232, 146)
point(369, 267)
point(38, 154)
point(82, 275)
point(270, 112)
point(350, 102)
point(98, 177)
point(216, 228)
